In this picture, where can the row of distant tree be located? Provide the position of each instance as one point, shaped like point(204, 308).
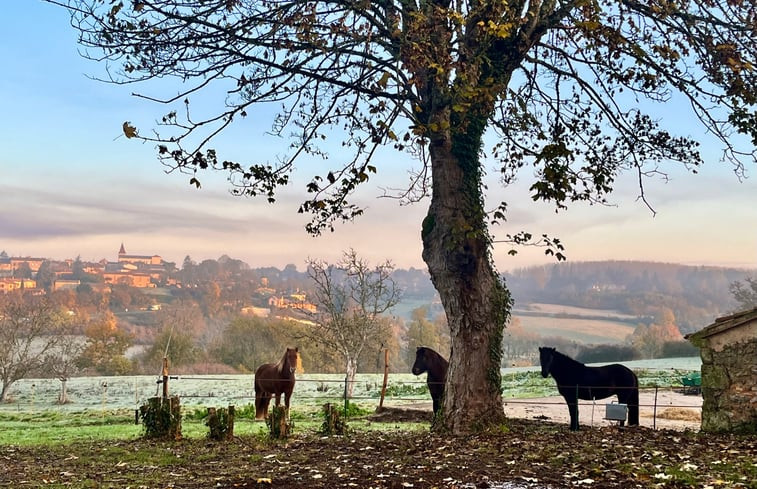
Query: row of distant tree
point(39, 338)
point(658, 338)
point(67, 333)
point(696, 295)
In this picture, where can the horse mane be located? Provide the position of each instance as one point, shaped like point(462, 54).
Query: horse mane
point(283, 361)
point(435, 359)
point(435, 356)
point(565, 369)
point(566, 358)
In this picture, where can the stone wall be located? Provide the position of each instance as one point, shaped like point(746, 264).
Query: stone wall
point(729, 386)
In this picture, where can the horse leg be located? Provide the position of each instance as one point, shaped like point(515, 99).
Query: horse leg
point(266, 403)
point(631, 399)
point(573, 411)
point(287, 397)
point(261, 405)
point(259, 402)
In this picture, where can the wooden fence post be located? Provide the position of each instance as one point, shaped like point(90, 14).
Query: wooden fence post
point(230, 427)
point(165, 377)
point(386, 379)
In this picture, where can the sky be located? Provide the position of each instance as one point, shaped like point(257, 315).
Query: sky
point(71, 185)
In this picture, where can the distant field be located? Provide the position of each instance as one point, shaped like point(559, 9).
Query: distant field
point(580, 330)
point(551, 309)
point(591, 326)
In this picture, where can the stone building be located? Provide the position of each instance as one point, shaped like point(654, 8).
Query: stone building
point(729, 373)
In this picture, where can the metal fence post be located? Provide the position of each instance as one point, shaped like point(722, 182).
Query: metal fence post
point(345, 396)
point(654, 410)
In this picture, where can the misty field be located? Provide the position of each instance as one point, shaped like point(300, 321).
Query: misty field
point(597, 331)
point(590, 326)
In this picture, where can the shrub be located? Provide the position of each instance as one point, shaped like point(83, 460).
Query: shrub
point(403, 389)
point(333, 423)
point(221, 423)
point(673, 349)
point(354, 410)
point(606, 353)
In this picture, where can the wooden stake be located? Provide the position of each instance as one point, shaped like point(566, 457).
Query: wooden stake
point(165, 377)
point(386, 379)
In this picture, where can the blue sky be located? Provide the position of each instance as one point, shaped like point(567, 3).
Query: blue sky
point(71, 185)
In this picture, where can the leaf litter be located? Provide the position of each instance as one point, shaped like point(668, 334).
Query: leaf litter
point(528, 454)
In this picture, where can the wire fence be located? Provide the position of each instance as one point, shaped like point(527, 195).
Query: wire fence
point(524, 394)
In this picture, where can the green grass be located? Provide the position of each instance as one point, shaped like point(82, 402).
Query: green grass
point(532, 384)
point(53, 428)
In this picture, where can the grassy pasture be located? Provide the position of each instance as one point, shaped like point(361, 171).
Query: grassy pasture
point(560, 309)
point(104, 407)
point(56, 428)
point(591, 326)
point(103, 394)
point(603, 331)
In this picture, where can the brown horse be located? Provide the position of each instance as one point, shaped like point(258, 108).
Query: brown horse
point(273, 380)
point(427, 360)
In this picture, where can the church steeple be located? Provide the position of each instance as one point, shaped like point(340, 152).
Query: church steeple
point(122, 251)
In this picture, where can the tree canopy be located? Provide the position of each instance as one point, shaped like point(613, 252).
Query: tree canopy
point(351, 297)
point(564, 84)
point(745, 293)
point(569, 89)
point(31, 328)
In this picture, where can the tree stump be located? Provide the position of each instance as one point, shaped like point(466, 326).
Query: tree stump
point(333, 424)
point(221, 423)
point(278, 422)
point(161, 417)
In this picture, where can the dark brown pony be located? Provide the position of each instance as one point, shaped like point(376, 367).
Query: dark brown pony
point(577, 381)
point(274, 379)
point(427, 360)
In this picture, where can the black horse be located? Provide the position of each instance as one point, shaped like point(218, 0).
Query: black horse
point(427, 360)
point(577, 381)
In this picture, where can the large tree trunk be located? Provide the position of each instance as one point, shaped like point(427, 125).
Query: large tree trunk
point(456, 248)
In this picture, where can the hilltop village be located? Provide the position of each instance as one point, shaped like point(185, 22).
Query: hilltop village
point(139, 271)
point(40, 276)
point(216, 315)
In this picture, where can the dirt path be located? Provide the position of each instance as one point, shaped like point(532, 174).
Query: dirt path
point(673, 410)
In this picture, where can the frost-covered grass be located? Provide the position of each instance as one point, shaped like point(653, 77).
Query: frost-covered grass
point(103, 394)
point(104, 407)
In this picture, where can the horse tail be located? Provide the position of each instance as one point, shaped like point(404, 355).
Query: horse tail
point(259, 399)
point(633, 402)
